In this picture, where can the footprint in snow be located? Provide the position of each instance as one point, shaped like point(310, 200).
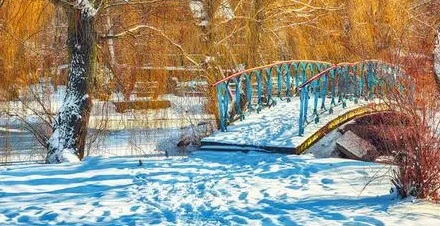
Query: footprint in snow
point(327, 181)
point(243, 196)
point(49, 216)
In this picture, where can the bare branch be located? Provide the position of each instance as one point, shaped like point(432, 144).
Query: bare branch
point(232, 34)
point(42, 138)
point(131, 31)
point(85, 6)
point(132, 3)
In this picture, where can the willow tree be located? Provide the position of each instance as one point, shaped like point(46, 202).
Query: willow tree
point(86, 29)
point(17, 35)
point(67, 142)
point(70, 126)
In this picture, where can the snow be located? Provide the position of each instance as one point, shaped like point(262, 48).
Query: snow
point(10, 130)
point(207, 188)
point(65, 126)
point(193, 84)
point(277, 126)
point(326, 147)
point(149, 132)
point(86, 8)
point(224, 10)
point(69, 156)
point(437, 56)
point(182, 109)
point(197, 9)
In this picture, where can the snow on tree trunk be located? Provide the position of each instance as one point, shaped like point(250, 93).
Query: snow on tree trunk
point(70, 125)
point(437, 56)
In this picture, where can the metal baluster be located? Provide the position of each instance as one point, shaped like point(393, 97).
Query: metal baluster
point(296, 75)
point(288, 83)
point(269, 86)
point(238, 97)
point(340, 83)
point(311, 68)
point(249, 91)
point(316, 85)
point(381, 79)
point(259, 91)
point(353, 83)
point(220, 98)
point(361, 80)
point(303, 72)
point(369, 79)
point(306, 104)
point(345, 77)
point(302, 110)
point(333, 92)
point(226, 102)
point(324, 91)
point(279, 82)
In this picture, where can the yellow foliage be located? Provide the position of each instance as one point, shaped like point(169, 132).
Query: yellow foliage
point(261, 32)
point(355, 30)
point(21, 22)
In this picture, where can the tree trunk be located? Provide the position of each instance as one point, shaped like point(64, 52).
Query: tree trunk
point(437, 57)
point(254, 27)
point(70, 126)
point(204, 12)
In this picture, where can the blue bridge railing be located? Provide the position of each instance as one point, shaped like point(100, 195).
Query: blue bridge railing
point(319, 85)
point(342, 83)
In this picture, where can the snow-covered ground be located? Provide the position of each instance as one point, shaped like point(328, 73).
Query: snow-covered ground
point(207, 188)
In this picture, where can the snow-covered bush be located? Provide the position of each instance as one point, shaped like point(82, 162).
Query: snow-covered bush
point(192, 135)
point(184, 140)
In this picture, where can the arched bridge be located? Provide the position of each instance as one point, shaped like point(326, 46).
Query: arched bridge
point(288, 106)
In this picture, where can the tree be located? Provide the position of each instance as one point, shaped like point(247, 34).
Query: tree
point(70, 127)
point(67, 142)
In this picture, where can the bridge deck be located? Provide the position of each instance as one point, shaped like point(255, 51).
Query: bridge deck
point(274, 129)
